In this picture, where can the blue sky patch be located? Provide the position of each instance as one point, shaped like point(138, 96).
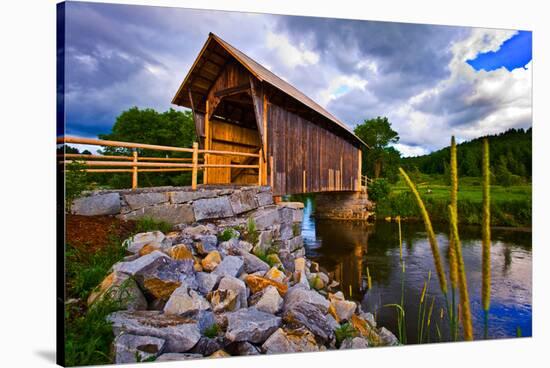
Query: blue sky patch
point(515, 52)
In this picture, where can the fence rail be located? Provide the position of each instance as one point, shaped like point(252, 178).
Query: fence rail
point(135, 164)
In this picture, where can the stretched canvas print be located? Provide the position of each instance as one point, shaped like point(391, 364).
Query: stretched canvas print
point(240, 184)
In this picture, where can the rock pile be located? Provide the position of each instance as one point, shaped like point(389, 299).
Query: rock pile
point(189, 294)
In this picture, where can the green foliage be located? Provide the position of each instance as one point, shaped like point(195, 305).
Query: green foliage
point(212, 331)
point(228, 234)
point(379, 189)
point(380, 159)
point(170, 128)
point(511, 151)
point(146, 224)
point(296, 229)
point(76, 182)
point(89, 336)
point(250, 233)
point(343, 332)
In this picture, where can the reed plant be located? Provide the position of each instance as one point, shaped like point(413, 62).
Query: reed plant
point(486, 236)
point(453, 267)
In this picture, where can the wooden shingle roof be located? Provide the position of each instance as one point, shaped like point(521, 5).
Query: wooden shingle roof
point(210, 62)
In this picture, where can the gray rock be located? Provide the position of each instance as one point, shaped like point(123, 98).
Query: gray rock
point(354, 343)
point(387, 338)
point(148, 260)
point(208, 346)
point(286, 232)
point(184, 300)
point(254, 264)
point(171, 213)
point(138, 241)
point(299, 295)
point(242, 348)
point(238, 286)
point(182, 197)
point(264, 198)
point(270, 301)
point(121, 288)
point(212, 208)
point(285, 215)
point(266, 217)
point(206, 244)
point(311, 317)
point(137, 201)
point(230, 266)
point(344, 309)
point(243, 201)
point(181, 334)
point(251, 325)
point(265, 240)
point(282, 342)
point(133, 348)
point(206, 282)
point(369, 317)
point(162, 277)
point(294, 243)
point(98, 204)
point(172, 357)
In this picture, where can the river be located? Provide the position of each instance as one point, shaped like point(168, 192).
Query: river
point(347, 248)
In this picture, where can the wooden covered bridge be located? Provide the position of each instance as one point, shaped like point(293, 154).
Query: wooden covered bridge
point(238, 105)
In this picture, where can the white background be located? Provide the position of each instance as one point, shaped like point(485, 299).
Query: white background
point(27, 176)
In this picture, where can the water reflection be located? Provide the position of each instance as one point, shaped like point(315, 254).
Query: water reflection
point(346, 249)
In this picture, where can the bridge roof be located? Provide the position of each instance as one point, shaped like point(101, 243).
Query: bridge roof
point(210, 62)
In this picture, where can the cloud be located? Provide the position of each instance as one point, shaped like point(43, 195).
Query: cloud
point(290, 55)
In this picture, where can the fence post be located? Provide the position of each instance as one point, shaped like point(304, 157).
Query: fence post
point(135, 170)
point(195, 165)
point(260, 167)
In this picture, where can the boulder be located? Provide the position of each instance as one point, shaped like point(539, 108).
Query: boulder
point(238, 286)
point(223, 300)
point(387, 338)
point(140, 200)
point(208, 346)
point(242, 348)
point(274, 260)
point(138, 241)
point(316, 282)
point(243, 201)
point(311, 317)
point(171, 213)
point(264, 198)
point(149, 260)
point(258, 283)
point(290, 341)
point(133, 348)
point(270, 301)
point(342, 310)
point(148, 248)
point(211, 261)
point(161, 279)
point(251, 325)
point(219, 354)
point(184, 300)
point(230, 266)
point(206, 282)
point(354, 343)
point(235, 247)
point(300, 295)
point(119, 286)
point(275, 274)
point(188, 196)
point(172, 357)
point(254, 264)
point(212, 208)
point(206, 244)
point(181, 252)
point(181, 334)
point(99, 204)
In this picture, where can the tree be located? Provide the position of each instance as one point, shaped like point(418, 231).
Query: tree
point(170, 128)
point(380, 159)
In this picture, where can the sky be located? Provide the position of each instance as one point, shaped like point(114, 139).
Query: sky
point(430, 81)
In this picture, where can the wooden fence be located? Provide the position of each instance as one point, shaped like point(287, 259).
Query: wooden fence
point(135, 164)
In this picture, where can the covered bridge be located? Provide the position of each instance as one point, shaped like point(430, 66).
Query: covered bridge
point(239, 105)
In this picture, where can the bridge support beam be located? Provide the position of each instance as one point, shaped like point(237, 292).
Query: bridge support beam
point(344, 206)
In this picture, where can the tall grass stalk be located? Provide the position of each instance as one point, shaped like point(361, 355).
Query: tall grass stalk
point(422, 309)
point(453, 267)
point(431, 235)
point(398, 218)
point(486, 236)
point(462, 283)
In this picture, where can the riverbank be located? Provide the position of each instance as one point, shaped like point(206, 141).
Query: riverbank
point(510, 206)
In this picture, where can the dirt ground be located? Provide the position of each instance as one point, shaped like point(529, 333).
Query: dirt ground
point(90, 233)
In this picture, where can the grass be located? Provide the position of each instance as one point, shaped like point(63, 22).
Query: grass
point(88, 335)
point(228, 234)
point(510, 206)
point(346, 330)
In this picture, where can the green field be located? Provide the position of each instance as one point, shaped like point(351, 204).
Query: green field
point(510, 206)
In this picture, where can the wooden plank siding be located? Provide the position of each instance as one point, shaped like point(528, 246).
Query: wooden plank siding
point(330, 162)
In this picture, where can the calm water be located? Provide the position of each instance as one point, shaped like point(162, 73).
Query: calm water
point(347, 249)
